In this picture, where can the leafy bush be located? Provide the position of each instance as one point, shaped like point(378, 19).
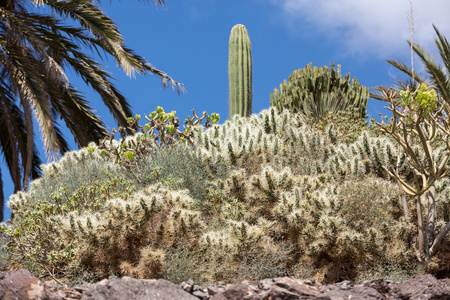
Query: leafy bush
point(75, 169)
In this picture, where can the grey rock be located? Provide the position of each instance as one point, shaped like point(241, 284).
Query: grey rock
point(298, 287)
point(196, 287)
point(280, 293)
point(23, 285)
point(287, 288)
point(266, 284)
point(212, 290)
point(237, 291)
point(129, 288)
point(200, 294)
point(345, 285)
point(187, 286)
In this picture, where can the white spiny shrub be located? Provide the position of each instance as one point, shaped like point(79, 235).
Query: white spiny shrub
point(283, 182)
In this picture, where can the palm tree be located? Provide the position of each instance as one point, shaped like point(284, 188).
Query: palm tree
point(39, 41)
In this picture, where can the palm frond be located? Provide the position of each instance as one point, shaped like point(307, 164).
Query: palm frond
point(11, 142)
point(72, 107)
point(2, 196)
point(107, 37)
point(444, 50)
point(24, 71)
point(438, 76)
point(405, 69)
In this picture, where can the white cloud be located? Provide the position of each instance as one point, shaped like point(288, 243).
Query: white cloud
point(375, 27)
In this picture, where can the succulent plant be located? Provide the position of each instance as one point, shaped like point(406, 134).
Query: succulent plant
point(162, 130)
point(240, 72)
point(317, 91)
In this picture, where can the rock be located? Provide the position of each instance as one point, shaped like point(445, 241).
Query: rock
point(129, 288)
point(422, 287)
point(287, 288)
point(298, 287)
point(237, 291)
point(200, 294)
point(22, 285)
point(212, 290)
point(187, 286)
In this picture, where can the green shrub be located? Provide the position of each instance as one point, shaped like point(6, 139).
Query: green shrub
point(178, 167)
point(75, 169)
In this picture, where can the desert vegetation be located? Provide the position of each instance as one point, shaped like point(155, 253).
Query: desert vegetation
point(273, 194)
point(307, 188)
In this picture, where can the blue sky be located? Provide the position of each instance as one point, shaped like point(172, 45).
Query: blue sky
point(189, 41)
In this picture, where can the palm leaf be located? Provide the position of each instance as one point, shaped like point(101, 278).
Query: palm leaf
point(405, 69)
point(444, 50)
point(36, 50)
point(107, 37)
point(438, 77)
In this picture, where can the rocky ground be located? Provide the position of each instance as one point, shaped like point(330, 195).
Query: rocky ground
point(22, 285)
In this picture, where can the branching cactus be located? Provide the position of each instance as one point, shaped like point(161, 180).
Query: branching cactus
point(244, 141)
point(237, 238)
point(240, 72)
point(317, 91)
point(284, 139)
point(322, 222)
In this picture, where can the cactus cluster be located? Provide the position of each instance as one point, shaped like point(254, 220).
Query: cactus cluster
point(316, 91)
point(293, 191)
point(144, 225)
point(285, 140)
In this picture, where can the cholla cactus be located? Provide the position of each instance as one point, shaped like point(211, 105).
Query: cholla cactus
point(287, 185)
point(145, 224)
point(285, 140)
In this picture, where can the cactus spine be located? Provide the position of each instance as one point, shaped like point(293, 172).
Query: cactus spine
point(240, 72)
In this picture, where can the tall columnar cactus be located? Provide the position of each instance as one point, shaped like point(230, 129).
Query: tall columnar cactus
point(317, 91)
point(240, 72)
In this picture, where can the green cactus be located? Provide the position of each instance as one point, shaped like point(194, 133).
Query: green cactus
point(317, 91)
point(240, 72)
